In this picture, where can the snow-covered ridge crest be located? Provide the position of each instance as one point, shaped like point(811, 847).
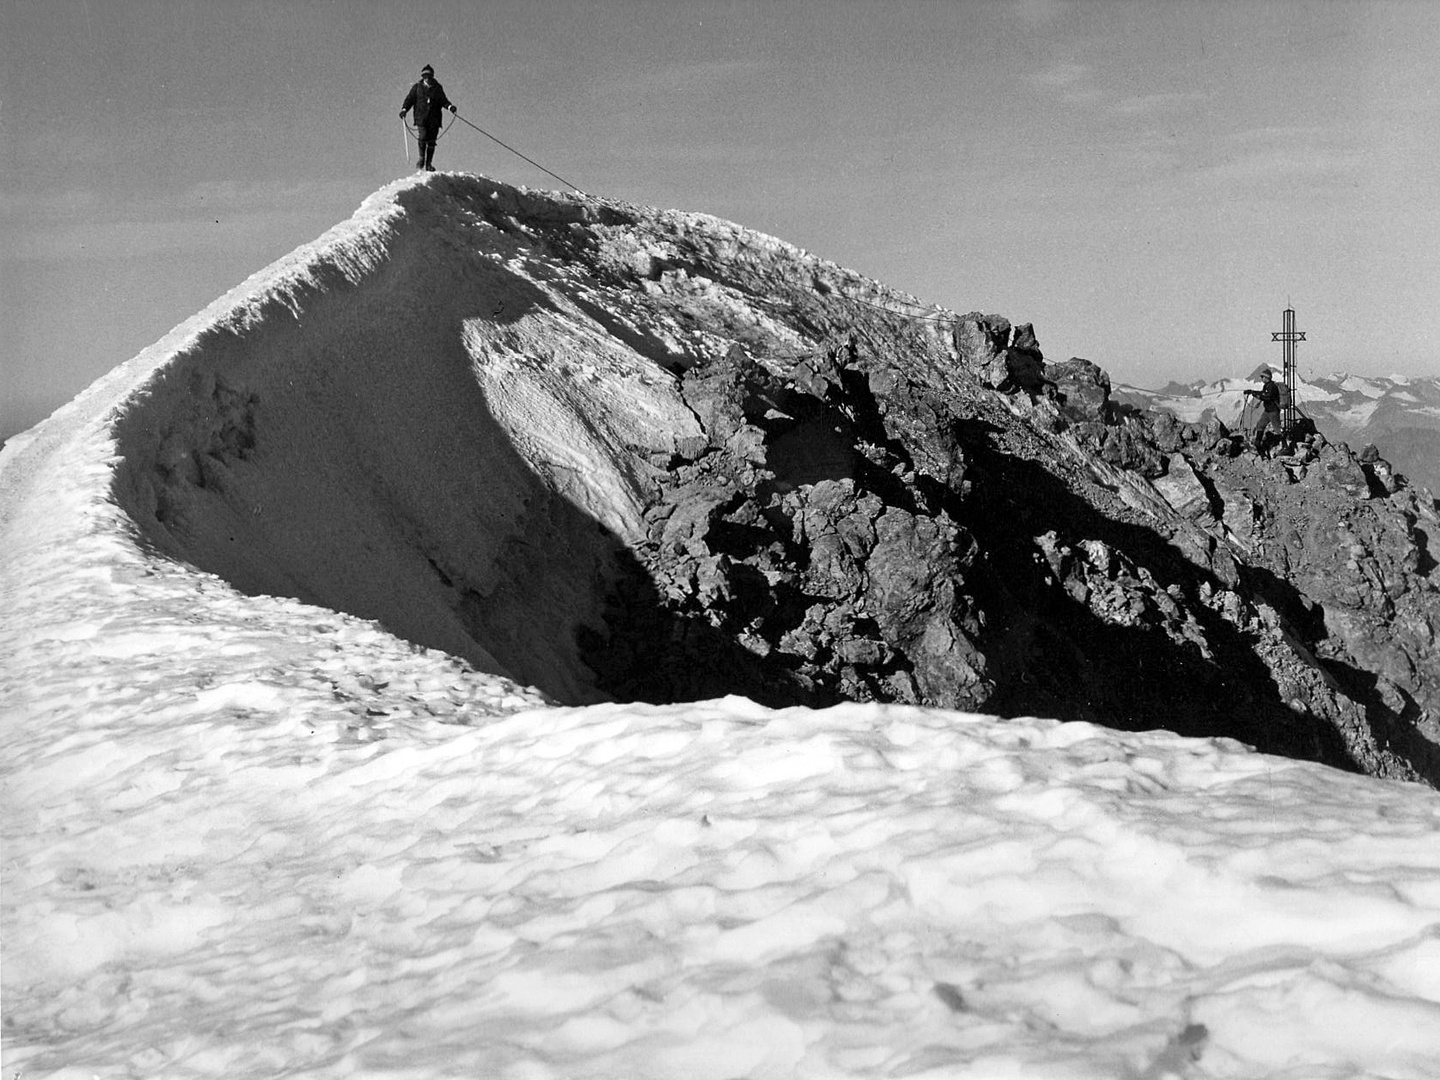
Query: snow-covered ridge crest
point(378, 424)
point(251, 835)
point(384, 422)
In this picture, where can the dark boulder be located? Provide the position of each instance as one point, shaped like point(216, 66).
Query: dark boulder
point(1082, 389)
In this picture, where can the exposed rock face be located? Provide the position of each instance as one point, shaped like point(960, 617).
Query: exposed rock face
point(863, 525)
point(792, 537)
point(1082, 390)
point(1340, 550)
point(998, 358)
point(874, 519)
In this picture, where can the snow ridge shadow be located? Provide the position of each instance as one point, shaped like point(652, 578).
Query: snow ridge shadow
point(347, 438)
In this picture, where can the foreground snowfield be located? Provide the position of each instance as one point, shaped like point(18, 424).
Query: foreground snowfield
point(245, 836)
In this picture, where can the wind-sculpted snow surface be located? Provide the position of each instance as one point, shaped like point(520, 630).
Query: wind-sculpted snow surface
point(219, 864)
point(389, 425)
point(247, 833)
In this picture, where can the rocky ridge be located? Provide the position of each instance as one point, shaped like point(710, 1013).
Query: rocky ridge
point(722, 465)
point(1399, 416)
point(917, 508)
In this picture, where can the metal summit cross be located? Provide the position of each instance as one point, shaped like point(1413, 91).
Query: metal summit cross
point(1289, 336)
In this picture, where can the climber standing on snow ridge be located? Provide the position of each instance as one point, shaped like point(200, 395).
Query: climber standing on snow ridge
point(427, 98)
point(1269, 395)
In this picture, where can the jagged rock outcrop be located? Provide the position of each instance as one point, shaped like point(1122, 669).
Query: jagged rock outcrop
point(1000, 356)
point(875, 519)
point(1340, 549)
point(792, 538)
point(861, 527)
point(1082, 390)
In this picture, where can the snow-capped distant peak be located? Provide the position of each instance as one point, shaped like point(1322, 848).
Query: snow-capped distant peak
point(1399, 414)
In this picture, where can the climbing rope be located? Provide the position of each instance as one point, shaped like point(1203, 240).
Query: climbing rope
point(456, 116)
point(946, 317)
point(941, 317)
point(517, 153)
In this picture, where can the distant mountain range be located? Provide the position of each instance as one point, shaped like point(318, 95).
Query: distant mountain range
point(1399, 415)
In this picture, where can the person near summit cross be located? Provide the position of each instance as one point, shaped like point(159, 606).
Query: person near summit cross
point(427, 98)
point(1269, 395)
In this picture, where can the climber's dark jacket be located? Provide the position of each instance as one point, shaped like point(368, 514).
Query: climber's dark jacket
point(429, 103)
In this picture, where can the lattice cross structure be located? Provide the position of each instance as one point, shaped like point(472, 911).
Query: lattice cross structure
point(1289, 411)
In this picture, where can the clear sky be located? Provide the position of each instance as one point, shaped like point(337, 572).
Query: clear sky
point(1148, 182)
